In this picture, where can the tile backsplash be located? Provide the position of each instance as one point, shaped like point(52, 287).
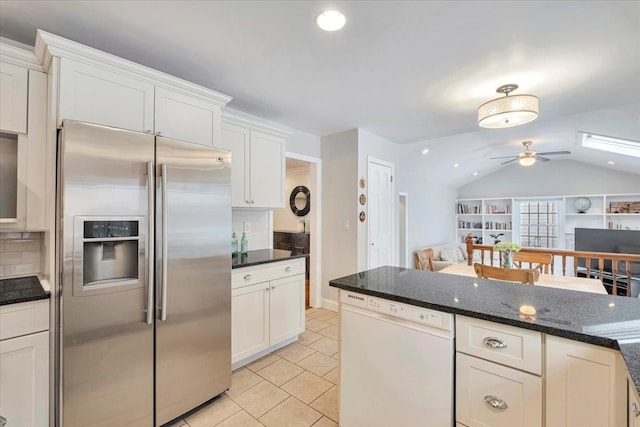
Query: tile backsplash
point(20, 254)
point(260, 224)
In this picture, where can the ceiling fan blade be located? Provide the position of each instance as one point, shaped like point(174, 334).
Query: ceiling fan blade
point(544, 159)
point(502, 157)
point(509, 161)
point(552, 153)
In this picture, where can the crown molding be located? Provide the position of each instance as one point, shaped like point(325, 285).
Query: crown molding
point(49, 45)
point(255, 123)
point(18, 56)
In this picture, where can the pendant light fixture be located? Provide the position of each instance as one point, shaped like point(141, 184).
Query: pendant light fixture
point(508, 111)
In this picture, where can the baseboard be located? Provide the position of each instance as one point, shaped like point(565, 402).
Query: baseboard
point(254, 357)
point(330, 304)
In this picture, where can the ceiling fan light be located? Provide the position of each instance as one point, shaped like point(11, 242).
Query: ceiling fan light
point(527, 161)
point(508, 111)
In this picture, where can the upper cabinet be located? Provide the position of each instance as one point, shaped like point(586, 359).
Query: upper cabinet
point(97, 87)
point(258, 162)
point(13, 102)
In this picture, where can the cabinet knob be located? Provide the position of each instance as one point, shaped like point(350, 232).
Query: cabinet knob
point(253, 201)
point(267, 289)
point(159, 133)
point(494, 342)
point(148, 131)
point(247, 277)
point(635, 410)
point(288, 269)
point(495, 402)
point(273, 287)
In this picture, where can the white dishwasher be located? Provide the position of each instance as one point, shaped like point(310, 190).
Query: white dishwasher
point(396, 364)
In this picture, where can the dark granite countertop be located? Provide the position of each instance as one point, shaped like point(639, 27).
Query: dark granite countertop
point(21, 289)
point(604, 320)
point(263, 256)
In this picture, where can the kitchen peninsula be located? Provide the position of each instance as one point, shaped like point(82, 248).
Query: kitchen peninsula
point(524, 355)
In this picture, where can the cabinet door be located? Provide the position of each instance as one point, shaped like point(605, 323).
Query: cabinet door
point(249, 320)
point(287, 308)
point(24, 389)
point(186, 118)
point(102, 96)
point(236, 140)
point(488, 394)
point(13, 98)
point(267, 171)
point(584, 387)
point(634, 405)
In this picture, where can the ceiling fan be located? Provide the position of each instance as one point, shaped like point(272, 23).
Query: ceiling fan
point(528, 156)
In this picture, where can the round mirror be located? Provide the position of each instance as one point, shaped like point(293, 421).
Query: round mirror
point(300, 201)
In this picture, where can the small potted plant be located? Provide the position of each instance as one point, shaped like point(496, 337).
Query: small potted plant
point(496, 238)
point(507, 249)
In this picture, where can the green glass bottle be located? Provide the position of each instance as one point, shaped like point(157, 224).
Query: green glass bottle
point(244, 244)
point(234, 244)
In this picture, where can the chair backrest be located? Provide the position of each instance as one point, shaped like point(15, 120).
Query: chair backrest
point(510, 274)
point(423, 259)
point(536, 260)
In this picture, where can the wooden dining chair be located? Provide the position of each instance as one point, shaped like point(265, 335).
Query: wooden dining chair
point(519, 275)
point(535, 260)
point(424, 259)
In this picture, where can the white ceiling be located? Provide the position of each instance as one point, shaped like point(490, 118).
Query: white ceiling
point(408, 71)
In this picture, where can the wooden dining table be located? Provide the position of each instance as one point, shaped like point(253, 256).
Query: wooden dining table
point(582, 284)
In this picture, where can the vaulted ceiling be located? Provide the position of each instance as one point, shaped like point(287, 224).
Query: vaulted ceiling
point(406, 70)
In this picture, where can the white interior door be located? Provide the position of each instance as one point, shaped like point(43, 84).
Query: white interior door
point(380, 218)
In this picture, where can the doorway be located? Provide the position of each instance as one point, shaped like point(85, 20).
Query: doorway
point(403, 227)
point(297, 228)
point(380, 199)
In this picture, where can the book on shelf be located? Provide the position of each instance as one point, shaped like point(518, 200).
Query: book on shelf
point(498, 210)
point(464, 208)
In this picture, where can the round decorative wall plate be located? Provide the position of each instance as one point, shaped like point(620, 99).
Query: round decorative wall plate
point(362, 199)
point(363, 216)
point(362, 182)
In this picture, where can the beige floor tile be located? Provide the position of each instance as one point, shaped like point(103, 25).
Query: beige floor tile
point(240, 419)
point(318, 363)
point(334, 321)
point(328, 403)
point(333, 376)
point(308, 337)
point(176, 423)
point(295, 352)
point(263, 362)
point(260, 399)
point(241, 381)
point(326, 346)
point(330, 331)
point(309, 312)
point(215, 412)
point(325, 422)
point(315, 325)
point(324, 315)
point(280, 372)
point(306, 387)
point(291, 413)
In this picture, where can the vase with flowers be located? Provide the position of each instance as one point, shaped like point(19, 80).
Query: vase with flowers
point(507, 249)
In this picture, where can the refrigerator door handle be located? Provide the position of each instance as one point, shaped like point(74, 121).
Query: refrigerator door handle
point(150, 240)
point(163, 289)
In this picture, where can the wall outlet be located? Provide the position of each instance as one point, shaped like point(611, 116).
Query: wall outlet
point(246, 227)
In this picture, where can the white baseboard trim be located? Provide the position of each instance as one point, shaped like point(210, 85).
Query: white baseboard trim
point(330, 304)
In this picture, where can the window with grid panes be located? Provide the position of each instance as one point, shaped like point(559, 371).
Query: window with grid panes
point(539, 223)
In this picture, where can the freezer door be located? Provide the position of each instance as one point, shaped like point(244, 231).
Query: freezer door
point(105, 331)
point(193, 292)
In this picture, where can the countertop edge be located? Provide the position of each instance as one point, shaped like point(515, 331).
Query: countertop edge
point(269, 261)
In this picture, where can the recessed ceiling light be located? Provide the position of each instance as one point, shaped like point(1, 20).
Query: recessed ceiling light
point(456, 165)
point(425, 151)
point(611, 163)
point(475, 174)
point(331, 20)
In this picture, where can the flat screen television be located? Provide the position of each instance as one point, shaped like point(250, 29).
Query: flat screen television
point(616, 241)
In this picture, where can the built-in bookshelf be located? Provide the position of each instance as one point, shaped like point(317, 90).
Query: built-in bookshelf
point(483, 217)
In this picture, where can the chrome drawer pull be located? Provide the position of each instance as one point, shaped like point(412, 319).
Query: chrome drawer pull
point(494, 342)
point(247, 277)
point(495, 402)
point(288, 269)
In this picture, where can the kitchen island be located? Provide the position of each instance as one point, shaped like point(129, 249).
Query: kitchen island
point(603, 323)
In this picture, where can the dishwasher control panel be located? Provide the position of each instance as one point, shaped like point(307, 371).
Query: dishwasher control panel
point(412, 313)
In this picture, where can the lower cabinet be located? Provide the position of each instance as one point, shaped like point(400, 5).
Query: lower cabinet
point(24, 363)
point(267, 313)
point(586, 385)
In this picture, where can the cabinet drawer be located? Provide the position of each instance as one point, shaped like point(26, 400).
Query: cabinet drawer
point(24, 318)
point(488, 394)
point(507, 345)
point(265, 272)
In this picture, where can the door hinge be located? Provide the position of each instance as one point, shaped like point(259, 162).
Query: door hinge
point(391, 178)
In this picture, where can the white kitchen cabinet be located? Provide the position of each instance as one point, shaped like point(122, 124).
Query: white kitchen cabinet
point(267, 308)
point(257, 163)
point(186, 117)
point(13, 99)
point(103, 96)
point(633, 405)
point(488, 394)
point(585, 385)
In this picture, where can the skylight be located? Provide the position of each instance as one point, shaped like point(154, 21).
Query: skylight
point(626, 147)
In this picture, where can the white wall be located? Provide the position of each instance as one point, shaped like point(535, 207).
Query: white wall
point(284, 219)
point(554, 178)
point(339, 208)
point(260, 223)
point(304, 143)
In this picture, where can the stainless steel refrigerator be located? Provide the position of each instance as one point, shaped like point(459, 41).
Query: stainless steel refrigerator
point(144, 315)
